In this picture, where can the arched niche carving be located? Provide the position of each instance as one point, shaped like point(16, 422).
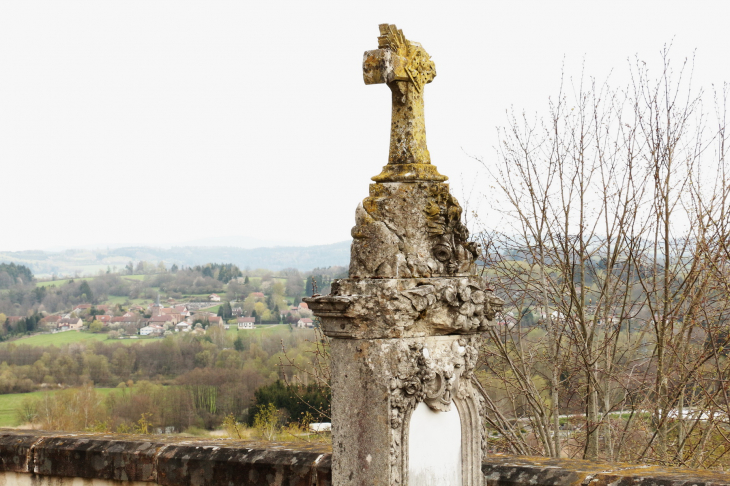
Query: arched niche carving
point(441, 377)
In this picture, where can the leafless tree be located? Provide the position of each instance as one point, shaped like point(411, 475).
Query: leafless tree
point(610, 227)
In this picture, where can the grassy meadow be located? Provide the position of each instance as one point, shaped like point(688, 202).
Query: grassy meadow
point(11, 401)
point(57, 283)
point(69, 337)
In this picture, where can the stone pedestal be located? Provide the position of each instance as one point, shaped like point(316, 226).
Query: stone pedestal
point(377, 385)
point(405, 324)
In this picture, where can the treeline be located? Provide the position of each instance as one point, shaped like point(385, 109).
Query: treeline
point(223, 272)
point(12, 274)
point(181, 381)
point(185, 282)
point(146, 407)
point(25, 299)
point(166, 361)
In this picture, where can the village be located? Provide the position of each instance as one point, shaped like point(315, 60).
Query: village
point(158, 320)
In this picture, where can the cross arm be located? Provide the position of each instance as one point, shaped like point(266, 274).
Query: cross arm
point(383, 66)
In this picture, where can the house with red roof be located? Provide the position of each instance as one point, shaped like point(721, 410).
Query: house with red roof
point(161, 320)
point(52, 321)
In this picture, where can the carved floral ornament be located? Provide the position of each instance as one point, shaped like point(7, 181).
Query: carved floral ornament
point(430, 379)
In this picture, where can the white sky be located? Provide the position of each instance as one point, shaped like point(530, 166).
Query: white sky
point(161, 123)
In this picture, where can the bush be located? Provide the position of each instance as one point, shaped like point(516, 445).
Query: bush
point(267, 422)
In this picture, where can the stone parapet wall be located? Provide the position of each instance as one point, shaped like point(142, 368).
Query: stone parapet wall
point(50, 458)
point(37, 457)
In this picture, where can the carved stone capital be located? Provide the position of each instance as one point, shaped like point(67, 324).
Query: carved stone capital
point(413, 307)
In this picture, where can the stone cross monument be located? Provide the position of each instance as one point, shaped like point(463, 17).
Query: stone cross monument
point(406, 409)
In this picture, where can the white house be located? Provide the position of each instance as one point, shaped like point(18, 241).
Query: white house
point(151, 329)
point(214, 298)
point(146, 331)
point(305, 322)
point(246, 322)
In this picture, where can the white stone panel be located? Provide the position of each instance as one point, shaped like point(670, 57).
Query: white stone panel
point(434, 447)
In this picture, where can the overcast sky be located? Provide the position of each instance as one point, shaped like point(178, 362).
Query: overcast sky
point(164, 123)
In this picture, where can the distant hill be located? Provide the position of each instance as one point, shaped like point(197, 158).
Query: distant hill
point(90, 262)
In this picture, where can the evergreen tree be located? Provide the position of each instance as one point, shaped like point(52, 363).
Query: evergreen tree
point(84, 289)
point(227, 311)
point(238, 344)
point(296, 399)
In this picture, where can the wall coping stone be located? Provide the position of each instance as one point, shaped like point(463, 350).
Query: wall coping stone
point(503, 470)
point(193, 461)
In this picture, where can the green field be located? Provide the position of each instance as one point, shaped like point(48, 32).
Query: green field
point(120, 299)
point(260, 329)
point(56, 283)
point(68, 337)
point(213, 309)
point(58, 338)
point(11, 401)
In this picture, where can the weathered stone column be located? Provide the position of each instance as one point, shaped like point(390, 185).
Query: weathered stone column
point(405, 324)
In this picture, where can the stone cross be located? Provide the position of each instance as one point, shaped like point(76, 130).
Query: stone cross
point(406, 68)
point(405, 325)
